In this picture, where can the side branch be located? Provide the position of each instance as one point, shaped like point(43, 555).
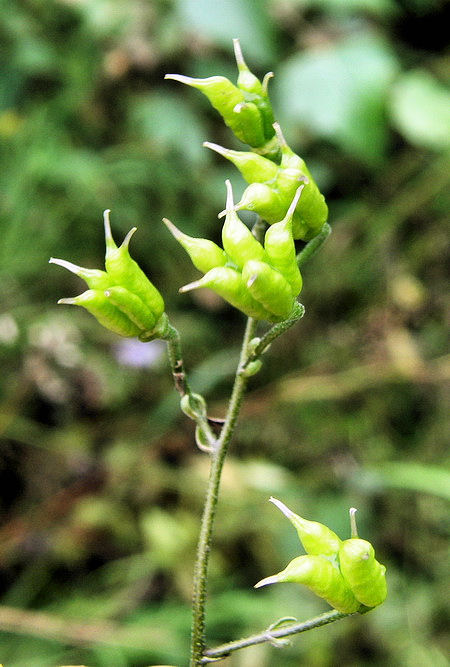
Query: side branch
point(297, 313)
point(313, 246)
point(272, 635)
point(176, 361)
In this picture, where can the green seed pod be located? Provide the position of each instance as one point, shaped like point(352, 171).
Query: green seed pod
point(270, 150)
point(317, 539)
point(228, 283)
point(132, 306)
point(321, 577)
point(255, 90)
point(280, 247)
point(121, 298)
point(265, 109)
point(312, 211)
point(247, 124)
point(205, 254)
point(94, 278)
point(239, 243)
point(230, 101)
point(264, 200)
point(124, 271)
point(362, 572)
point(105, 312)
point(222, 94)
point(254, 168)
point(312, 214)
point(287, 182)
point(246, 80)
point(289, 159)
point(268, 286)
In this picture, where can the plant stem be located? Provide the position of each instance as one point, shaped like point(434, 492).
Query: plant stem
point(176, 361)
point(212, 494)
point(272, 635)
point(313, 246)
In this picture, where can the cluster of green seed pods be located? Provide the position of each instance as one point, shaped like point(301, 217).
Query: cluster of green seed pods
point(272, 170)
point(271, 188)
point(121, 298)
point(262, 281)
point(345, 573)
point(245, 108)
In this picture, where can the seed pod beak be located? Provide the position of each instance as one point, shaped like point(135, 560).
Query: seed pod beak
point(215, 147)
point(293, 206)
point(281, 506)
point(242, 65)
point(176, 233)
point(274, 579)
point(251, 280)
point(230, 201)
point(189, 80)
point(74, 268)
point(69, 301)
point(190, 286)
point(125, 243)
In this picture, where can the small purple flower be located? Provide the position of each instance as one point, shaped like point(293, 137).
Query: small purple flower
point(132, 352)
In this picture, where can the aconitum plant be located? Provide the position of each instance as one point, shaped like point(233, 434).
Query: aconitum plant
point(258, 272)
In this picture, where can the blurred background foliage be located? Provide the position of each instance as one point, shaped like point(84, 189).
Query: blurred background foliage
point(101, 485)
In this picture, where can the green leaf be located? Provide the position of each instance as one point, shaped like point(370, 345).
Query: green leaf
point(420, 108)
point(168, 122)
point(338, 92)
point(409, 476)
point(222, 21)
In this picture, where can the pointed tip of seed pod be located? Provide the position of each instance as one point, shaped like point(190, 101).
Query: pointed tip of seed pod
point(190, 286)
point(125, 243)
point(238, 55)
point(66, 265)
point(110, 243)
point(68, 301)
point(251, 280)
point(268, 580)
point(239, 107)
point(179, 77)
point(176, 233)
point(281, 506)
point(353, 527)
point(215, 147)
point(280, 135)
point(293, 205)
point(230, 202)
point(265, 81)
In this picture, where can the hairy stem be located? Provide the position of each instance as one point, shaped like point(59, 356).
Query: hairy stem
point(313, 246)
point(273, 635)
point(209, 510)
